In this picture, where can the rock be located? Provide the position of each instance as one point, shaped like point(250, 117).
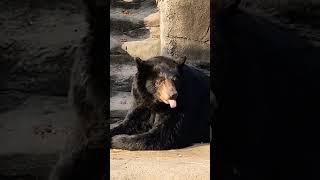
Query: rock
point(116, 101)
point(143, 49)
point(154, 32)
point(153, 20)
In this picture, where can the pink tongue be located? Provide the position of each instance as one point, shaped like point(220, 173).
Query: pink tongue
point(173, 103)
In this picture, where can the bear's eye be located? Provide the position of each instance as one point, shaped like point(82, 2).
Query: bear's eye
point(159, 82)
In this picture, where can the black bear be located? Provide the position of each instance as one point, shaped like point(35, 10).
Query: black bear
point(85, 156)
point(171, 107)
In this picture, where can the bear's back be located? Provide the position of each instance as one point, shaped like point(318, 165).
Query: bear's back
point(194, 98)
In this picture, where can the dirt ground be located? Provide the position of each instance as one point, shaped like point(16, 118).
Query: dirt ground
point(188, 163)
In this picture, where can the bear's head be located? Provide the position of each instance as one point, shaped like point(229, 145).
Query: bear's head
point(159, 79)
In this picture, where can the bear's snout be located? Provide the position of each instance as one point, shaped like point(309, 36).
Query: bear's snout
point(173, 94)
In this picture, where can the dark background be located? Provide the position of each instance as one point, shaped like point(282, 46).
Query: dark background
point(266, 78)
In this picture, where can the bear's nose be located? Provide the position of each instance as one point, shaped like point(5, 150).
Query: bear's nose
point(174, 95)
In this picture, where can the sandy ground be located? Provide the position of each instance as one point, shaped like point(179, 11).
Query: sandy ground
point(188, 163)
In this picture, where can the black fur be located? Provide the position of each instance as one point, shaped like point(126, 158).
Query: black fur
point(153, 125)
point(85, 157)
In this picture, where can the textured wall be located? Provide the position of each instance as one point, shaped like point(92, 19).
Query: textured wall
point(185, 28)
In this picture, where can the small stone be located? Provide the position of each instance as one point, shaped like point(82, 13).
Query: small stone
point(125, 12)
point(123, 40)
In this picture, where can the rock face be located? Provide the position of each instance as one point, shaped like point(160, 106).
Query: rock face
point(134, 32)
point(135, 29)
point(185, 28)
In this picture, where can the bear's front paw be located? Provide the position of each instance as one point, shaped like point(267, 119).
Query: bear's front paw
point(113, 129)
point(120, 141)
point(116, 129)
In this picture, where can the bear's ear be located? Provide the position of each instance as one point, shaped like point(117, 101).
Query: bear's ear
point(181, 60)
point(138, 60)
point(141, 64)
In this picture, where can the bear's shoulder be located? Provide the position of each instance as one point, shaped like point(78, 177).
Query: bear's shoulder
point(194, 76)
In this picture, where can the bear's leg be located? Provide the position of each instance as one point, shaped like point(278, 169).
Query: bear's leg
point(164, 135)
point(136, 121)
point(152, 140)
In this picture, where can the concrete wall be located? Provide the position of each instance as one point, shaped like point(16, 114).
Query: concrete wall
point(185, 29)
